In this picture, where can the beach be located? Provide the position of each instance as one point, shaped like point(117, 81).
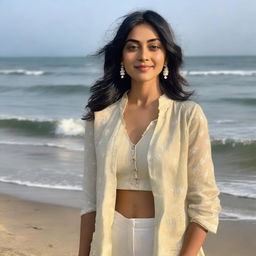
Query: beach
point(30, 228)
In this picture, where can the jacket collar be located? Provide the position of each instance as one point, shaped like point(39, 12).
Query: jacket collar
point(163, 100)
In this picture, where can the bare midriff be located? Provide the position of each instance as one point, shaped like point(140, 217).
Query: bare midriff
point(135, 203)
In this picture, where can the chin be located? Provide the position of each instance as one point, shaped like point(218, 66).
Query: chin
point(143, 79)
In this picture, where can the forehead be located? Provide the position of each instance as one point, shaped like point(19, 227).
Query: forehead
point(143, 32)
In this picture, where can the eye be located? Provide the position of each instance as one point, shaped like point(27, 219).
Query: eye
point(131, 47)
point(155, 47)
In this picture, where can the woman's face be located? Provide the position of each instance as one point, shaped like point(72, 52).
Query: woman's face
point(143, 48)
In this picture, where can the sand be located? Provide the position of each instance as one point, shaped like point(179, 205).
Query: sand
point(30, 228)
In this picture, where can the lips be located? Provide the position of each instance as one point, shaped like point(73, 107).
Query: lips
point(143, 68)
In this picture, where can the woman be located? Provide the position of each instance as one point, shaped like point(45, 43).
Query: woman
point(149, 185)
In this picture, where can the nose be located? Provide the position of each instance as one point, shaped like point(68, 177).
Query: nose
point(143, 54)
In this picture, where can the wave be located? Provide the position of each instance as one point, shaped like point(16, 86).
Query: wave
point(48, 89)
point(52, 145)
point(220, 72)
point(238, 188)
point(75, 127)
point(39, 185)
point(66, 127)
point(26, 72)
point(233, 142)
point(225, 121)
point(236, 214)
point(22, 72)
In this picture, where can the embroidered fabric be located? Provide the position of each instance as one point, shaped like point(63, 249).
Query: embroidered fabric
point(132, 164)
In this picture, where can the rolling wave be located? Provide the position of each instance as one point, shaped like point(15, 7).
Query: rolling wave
point(26, 72)
point(238, 188)
point(66, 127)
point(220, 72)
point(245, 147)
point(236, 214)
point(75, 127)
point(39, 185)
point(22, 72)
point(51, 145)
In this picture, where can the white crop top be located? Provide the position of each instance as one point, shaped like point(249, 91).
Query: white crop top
point(132, 165)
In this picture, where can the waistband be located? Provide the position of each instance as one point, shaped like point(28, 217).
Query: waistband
point(134, 222)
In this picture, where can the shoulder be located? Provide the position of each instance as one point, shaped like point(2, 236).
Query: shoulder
point(107, 111)
point(190, 110)
point(186, 107)
point(104, 116)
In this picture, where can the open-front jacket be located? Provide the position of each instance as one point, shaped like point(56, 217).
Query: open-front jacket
point(180, 168)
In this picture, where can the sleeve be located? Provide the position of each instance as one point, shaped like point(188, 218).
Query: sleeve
point(202, 196)
point(90, 170)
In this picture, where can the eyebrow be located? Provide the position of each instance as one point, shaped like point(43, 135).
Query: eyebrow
point(137, 41)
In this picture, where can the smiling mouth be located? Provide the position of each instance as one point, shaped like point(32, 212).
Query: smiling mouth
point(143, 68)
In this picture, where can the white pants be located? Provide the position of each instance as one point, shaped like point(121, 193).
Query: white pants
point(132, 236)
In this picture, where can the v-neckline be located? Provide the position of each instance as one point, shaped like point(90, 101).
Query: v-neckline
point(127, 135)
point(124, 123)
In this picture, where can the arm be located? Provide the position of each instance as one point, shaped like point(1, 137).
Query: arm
point(202, 196)
point(88, 209)
point(87, 228)
point(193, 240)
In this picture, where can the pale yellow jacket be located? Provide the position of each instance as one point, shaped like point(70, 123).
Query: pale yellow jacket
point(180, 168)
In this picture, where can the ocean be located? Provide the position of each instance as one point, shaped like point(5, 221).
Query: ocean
point(42, 100)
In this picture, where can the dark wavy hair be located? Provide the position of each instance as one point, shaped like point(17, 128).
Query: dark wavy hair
point(110, 88)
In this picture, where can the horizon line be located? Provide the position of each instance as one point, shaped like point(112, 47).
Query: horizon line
point(88, 55)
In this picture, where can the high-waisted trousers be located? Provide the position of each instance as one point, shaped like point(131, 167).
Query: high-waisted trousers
point(132, 236)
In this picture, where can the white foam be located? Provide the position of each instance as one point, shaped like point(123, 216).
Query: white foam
point(234, 141)
point(40, 185)
point(236, 214)
point(225, 121)
point(220, 72)
point(41, 145)
point(239, 188)
point(65, 126)
point(22, 72)
point(70, 127)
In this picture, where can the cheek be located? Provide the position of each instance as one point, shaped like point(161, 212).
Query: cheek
point(159, 58)
point(129, 57)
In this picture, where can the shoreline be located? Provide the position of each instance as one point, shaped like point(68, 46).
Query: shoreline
point(30, 228)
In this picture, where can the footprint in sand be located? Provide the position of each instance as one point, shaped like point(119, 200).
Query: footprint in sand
point(34, 227)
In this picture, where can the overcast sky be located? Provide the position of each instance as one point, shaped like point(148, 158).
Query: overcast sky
point(78, 28)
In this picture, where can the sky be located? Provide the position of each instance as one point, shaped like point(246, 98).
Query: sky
point(80, 27)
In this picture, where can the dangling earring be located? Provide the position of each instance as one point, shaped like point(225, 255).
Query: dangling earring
point(166, 71)
point(122, 72)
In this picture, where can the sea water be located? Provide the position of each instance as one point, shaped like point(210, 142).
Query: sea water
point(43, 99)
